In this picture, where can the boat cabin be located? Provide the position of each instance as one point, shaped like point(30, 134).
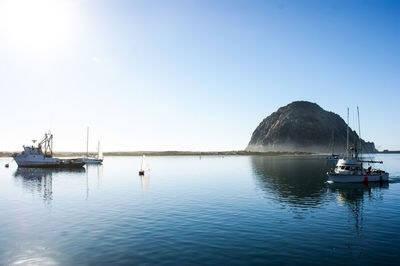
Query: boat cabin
point(32, 150)
point(345, 166)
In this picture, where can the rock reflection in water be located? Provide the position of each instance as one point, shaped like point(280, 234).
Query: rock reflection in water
point(40, 180)
point(297, 181)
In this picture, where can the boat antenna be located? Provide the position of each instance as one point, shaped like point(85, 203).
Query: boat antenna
point(51, 145)
point(347, 144)
point(87, 143)
point(359, 130)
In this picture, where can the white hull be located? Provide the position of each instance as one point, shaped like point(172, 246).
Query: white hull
point(349, 178)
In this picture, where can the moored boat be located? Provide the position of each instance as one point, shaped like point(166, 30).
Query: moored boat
point(98, 159)
point(42, 156)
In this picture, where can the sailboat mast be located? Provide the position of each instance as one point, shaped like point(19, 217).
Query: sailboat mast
point(347, 144)
point(87, 143)
point(143, 167)
point(359, 130)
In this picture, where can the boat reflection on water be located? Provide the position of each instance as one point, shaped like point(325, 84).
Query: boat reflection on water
point(354, 196)
point(295, 181)
point(40, 180)
point(354, 193)
point(144, 179)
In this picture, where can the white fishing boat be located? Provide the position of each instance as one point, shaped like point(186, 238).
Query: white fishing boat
point(144, 167)
point(350, 169)
point(41, 155)
point(98, 159)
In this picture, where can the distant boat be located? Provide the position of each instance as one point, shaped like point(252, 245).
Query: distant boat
point(144, 167)
point(42, 156)
point(350, 169)
point(333, 157)
point(98, 159)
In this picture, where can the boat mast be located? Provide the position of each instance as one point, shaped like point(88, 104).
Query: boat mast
point(87, 143)
point(359, 131)
point(347, 145)
point(47, 141)
point(51, 145)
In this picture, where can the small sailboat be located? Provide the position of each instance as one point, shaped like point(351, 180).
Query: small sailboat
point(98, 159)
point(144, 167)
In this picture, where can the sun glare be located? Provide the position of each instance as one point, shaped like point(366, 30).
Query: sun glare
point(38, 25)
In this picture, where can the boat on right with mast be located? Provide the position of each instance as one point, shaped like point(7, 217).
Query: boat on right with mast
point(98, 159)
point(350, 169)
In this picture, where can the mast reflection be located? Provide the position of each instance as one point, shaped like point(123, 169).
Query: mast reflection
point(90, 170)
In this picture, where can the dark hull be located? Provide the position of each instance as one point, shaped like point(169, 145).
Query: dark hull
point(67, 165)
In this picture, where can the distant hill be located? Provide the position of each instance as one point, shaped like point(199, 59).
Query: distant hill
point(303, 126)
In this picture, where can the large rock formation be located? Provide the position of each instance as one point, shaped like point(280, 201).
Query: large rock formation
point(304, 127)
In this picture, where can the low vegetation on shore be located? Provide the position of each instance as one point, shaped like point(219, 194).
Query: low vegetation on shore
point(167, 153)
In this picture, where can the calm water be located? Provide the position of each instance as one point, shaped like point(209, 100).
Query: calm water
point(192, 210)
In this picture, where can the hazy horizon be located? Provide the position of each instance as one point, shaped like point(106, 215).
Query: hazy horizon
point(192, 75)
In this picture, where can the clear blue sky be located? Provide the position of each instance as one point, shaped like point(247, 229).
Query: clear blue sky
point(192, 75)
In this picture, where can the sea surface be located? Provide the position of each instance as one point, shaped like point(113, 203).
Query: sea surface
point(189, 210)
